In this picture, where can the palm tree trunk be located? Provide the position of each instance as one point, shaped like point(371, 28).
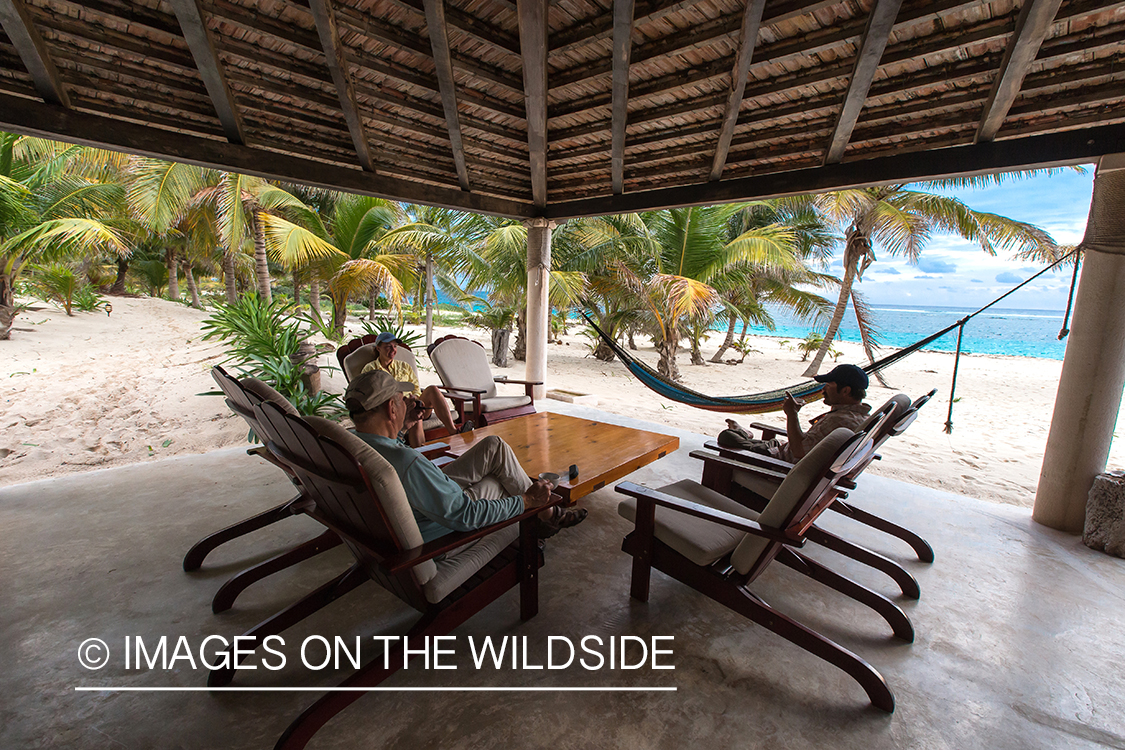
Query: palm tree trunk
point(296, 288)
point(728, 342)
point(193, 290)
point(314, 295)
point(500, 346)
point(173, 275)
point(632, 344)
point(696, 355)
point(667, 363)
point(119, 283)
point(229, 278)
point(7, 307)
point(339, 315)
point(261, 264)
point(519, 351)
point(372, 296)
point(850, 262)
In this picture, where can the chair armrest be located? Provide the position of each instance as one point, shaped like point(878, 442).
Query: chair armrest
point(750, 459)
point(738, 465)
point(702, 511)
point(768, 431)
point(452, 392)
point(410, 557)
point(441, 461)
point(518, 382)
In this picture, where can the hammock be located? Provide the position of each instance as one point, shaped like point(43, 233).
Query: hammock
point(766, 401)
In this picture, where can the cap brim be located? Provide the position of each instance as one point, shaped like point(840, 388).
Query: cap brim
point(404, 387)
point(823, 378)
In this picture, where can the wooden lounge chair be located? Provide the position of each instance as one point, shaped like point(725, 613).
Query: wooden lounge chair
point(242, 396)
point(718, 547)
point(357, 353)
point(356, 493)
point(463, 368)
point(764, 474)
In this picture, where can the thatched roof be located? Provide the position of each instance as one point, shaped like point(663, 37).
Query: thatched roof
point(573, 107)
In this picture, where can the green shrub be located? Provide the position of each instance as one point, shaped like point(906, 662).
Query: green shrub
point(56, 282)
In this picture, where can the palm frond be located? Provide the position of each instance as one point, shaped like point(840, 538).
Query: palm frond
point(294, 246)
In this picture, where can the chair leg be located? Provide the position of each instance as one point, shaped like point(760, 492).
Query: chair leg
point(921, 546)
point(741, 601)
point(291, 615)
point(894, 616)
point(905, 581)
point(529, 569)
point(194, 558)
point(229, 591)
point(298, 733)
point(644, 535)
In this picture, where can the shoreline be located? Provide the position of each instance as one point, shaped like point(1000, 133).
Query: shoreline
point(96, 391)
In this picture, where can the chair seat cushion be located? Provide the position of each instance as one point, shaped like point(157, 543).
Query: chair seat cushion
point(756, 483)
point(503, 403)
point(432, 423)
point(460, 564)
point(700, 541)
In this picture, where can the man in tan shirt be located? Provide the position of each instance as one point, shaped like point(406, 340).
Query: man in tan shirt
point(844, 390)
point(386, 345)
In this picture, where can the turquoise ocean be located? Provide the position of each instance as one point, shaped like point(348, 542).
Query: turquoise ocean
point(998, 330)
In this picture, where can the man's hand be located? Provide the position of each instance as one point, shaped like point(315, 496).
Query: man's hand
point(415, 412)
point(537, 494)
point(791, 405)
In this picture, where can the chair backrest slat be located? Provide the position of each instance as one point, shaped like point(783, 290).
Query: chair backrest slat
point(461, 363)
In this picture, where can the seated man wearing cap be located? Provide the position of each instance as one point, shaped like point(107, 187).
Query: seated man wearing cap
point(844, 390)
point(386, 345)
point(484, 486)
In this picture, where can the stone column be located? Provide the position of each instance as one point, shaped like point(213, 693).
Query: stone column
point(538, 304)
point(1093, 371)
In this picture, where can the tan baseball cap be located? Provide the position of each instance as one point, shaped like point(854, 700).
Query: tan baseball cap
point(373, 389)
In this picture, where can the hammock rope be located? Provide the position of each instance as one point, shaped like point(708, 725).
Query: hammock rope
point(766, 401)
point(1065, 331)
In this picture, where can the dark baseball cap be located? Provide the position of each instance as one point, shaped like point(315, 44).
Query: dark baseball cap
point(845, 375)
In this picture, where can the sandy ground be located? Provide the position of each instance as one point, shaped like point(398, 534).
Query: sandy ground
point(94, 391)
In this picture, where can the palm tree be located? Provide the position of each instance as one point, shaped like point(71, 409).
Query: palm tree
point(162, 194)
point(344, 250)
point(901, 220)
point(684, 251)
point(56, 202)
point(443, 238)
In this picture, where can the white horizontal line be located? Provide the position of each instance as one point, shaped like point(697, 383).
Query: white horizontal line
point(238, 689)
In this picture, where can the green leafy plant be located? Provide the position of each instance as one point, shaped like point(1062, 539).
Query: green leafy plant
point(383, 323)
point(88, 300)
point(56, 282)
point(812, 343)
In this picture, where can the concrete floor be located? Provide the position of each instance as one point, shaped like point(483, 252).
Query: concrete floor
point(1019, 630)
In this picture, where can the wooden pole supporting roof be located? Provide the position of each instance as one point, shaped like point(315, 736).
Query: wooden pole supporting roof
point(529, 108)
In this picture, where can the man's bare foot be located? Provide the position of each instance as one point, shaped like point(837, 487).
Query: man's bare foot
point(733, 425)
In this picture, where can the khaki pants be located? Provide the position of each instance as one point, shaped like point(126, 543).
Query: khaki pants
point(489, 470)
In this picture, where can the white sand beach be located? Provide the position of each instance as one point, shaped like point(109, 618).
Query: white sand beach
point(95, 391)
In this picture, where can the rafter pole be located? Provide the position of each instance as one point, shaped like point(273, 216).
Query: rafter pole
point(1032, 26)
point(622, 45)
point(875, 37)
point(202, 46)
point(751, 20)
point(533, 43)
point(443, 65)
point(325, 18)
point(25, 38)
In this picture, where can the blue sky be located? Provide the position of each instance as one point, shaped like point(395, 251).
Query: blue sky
point(956, 273)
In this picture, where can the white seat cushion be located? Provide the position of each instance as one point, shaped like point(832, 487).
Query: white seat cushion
point(462, 563)
point(461, 363)
point(700, 541)
point(501, 403)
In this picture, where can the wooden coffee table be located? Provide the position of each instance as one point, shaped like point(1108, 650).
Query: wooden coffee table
point(552, 442)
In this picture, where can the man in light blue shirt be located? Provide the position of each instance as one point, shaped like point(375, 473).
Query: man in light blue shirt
point(484, 486)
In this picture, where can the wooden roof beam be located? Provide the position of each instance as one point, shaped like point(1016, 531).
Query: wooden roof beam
point(751, 20)
point(533, 42)
point(26, 116)
point(325, 18)
point(202, 46)
point(875, 36)
point(1032, 26)
point(439, 41)
point(21, 30)
point(622, 44)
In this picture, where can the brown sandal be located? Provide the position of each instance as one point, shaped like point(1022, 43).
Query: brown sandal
point(561, 519)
